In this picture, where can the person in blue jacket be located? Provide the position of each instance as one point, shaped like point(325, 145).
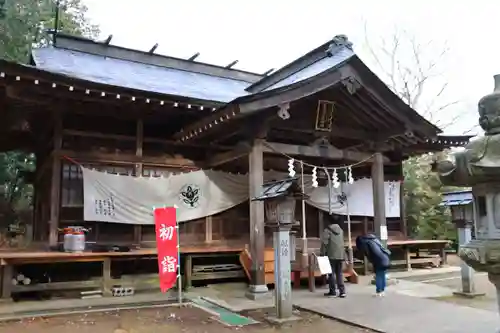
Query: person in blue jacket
point(379, 257)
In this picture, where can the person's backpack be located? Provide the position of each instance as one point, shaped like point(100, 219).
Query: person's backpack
point(380, 254)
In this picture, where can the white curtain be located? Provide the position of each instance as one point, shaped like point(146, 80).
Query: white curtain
point(127, 199)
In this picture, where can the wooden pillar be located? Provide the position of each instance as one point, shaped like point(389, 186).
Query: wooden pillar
point(321, 222)
point(366, 267)
point(139, 139)
point(6, 279)
point(257, 234)
point(208, 229)
point(188, 271)
point(402, 210)
point(107, 283)
point(379, 219)
point(407, 254)
point(55, 188)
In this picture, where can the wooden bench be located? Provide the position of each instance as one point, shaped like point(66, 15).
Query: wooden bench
point(9, 260)
point(411, 249)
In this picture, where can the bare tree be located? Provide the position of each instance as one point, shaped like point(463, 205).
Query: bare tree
point(412, 70)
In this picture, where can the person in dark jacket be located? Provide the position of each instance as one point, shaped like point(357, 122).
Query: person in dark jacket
point(332, 246)
point(379, 257)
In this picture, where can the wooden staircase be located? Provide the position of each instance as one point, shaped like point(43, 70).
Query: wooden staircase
point(246, 263)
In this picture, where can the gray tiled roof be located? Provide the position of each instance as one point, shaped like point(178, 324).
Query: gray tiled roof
point(137, 75)
point(458, 198)
point(170, 80)
point(316, 68)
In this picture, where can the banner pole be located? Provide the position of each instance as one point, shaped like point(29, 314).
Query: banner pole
point(305, 247)
point(179, 277)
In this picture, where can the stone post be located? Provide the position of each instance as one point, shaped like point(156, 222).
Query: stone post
point(467, 273)
point(283, 287)
point(495, 280)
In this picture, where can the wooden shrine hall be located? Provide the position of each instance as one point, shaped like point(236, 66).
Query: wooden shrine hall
point(140, 114)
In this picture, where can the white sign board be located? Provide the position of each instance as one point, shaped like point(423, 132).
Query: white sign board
point(383, 232)
point(324, 265)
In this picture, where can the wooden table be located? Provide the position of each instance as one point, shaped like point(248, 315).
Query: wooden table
point(9, 259)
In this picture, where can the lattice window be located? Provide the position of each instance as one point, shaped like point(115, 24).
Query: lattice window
point(324, 115)
point(158, 172)
point(72, 182)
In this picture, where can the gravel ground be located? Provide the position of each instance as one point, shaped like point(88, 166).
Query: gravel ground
point(171, 320)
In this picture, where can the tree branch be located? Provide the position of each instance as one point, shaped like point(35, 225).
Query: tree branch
point(408, 73)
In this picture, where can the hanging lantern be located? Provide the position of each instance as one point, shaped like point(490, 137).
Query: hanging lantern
point(280, 198)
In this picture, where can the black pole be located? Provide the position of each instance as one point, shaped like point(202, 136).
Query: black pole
point(56, 21)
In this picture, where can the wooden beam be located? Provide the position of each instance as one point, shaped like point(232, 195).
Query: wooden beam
point(222, 158)
point(318, 151)
point(55, 189)
point(120, 137)
point(21, 95)
point(44, 94)
point(97, 135)
point(383, 96)
point(370, 114)
point(138, 169)
point(346, 133)
point(127, 159)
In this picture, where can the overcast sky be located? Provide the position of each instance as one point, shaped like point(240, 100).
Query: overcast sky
point(264, 34)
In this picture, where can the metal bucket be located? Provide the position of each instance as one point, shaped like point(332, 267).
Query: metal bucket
point(67, 242)
point(74, 239)
point(78, 242)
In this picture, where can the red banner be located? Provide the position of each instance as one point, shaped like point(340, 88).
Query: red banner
point(167, 245)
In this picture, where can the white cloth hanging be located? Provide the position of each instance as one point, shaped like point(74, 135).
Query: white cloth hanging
point(127, 199)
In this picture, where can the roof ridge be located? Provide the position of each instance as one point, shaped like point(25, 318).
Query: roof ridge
point(90, 46)
point(133, 61)
point(328, 49)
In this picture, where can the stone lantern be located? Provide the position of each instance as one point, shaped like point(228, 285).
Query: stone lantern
point(280, 198)
point(478, 166)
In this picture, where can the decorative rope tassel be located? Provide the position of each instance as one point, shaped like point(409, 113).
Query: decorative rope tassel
point(335, 179)
point(314, 178)
point(350, 178)
point(291, 170)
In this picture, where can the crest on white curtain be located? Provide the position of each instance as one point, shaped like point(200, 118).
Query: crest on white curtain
point(190, 195)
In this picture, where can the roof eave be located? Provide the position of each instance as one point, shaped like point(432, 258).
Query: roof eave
point(33, 72)
point(417, 121)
